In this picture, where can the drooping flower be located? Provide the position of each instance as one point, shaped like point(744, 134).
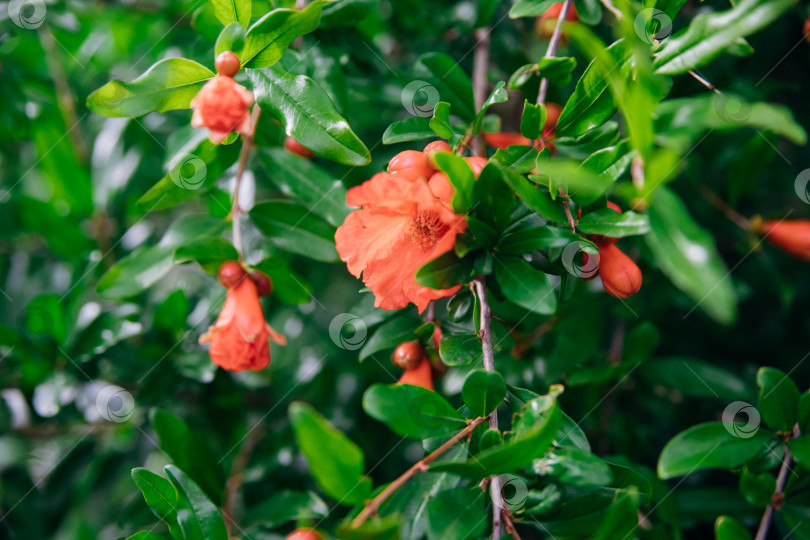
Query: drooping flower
point(792, 237)
point(400, 226)
point(223, 106)
point(421, 375)
point(239, 336)
point(621, 277)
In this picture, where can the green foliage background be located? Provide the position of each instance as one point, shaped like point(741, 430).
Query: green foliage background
point(91, 296)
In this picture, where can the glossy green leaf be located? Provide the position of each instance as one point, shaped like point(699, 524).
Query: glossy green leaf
point(295, 229)
point(410, 129)
point(581, 184)
point(447, 77)
point(498, 95)
point(713, 445)
point(450, 514)
point(232, 38)
point(525, 285)
point(268, 38)
point(160, 496)
point(208, 251)
point(309, 116)
point(445, 271)
point(411, 411)
point(198, 517)
point(483, 391)
point(610, 223)
point(461, 177)
point(442, 126)
point(336, 463)
point(169, 84)
point(529, 8)
point(536, 198)
point(231, 11)
point(532, 120)
point(321, 192)
point(778, 399)
point(728, 528)
point(709, 34)
point(573, 466)
point(686, 253)
point(389, 335)
point(460, 348)
point(528, 240)
point(190, 451)
point(694, 378)
point(345, 12)
point(757, 488)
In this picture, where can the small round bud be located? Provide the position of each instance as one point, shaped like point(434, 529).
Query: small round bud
point(264, 285)
point(408, 355)
point(230, 273)
point(227, 64)
point(294, 147)
point(304, 533)
point(410, 164)
point(432, 148)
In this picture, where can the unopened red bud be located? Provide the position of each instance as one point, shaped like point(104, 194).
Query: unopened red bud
point(421, 375)
point(304, 533)
point(264, 285)
point(227, 63)
point(294, 147)
point(408, 355)
point(410, 164)
point(504, 139)
point(431, 149)
point(613, 206)
point(230, 274)
point(792, 237)
point(621, 277)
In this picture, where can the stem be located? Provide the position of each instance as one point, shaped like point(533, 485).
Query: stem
point(568, 214)
point(371, 507)
point(509, 524)
point(705, 82)
point(728, 211)
point(247, 144)
point(238, 467)
point(552, 47)
point(480, 66)
point(489, 365)
point(613, 9)
point(781, 480)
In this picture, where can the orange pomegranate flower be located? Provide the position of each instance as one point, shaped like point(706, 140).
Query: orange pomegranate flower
point(239, 337)
point(399, 227)
point(421, 375)
point(223, 106)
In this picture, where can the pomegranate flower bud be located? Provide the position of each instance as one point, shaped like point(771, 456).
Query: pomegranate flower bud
point(408, 355)
point(230, 273)
point(621, 277)
point(294, 147)
point(304, 533)
point(411, 165)
point(421, 375)
point(792, 237)
point(432, 148)
point(227, 64)
point(223, 106)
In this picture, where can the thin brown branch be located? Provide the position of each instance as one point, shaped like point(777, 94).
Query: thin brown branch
point(571, 221)
point(509, 523)
point(740, 220)
point(704, 81)
point(479, 80)
point(236, 211)
point(553, 45)
point(236, 478)
point(778, 496)
point(374, 504)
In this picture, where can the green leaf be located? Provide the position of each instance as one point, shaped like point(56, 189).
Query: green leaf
point(711, 446)
point(452, 84)
point(345, 12)
point(149, 535)
point(529, 8)
point(460, 349)
point(610, 223)
point(533, 431)
point(390, 334)
point(232, 38)
point(581, 184)
point(169, 84)
point(461, 177)
point(312, 186)
point(383, 528)
point(309, 116)
point(450, 514)
point(208, 251)
point(483, 391)
point(288, 285)
point(446, 271)
point(728, 528)
point(295, 229)
point(527, 240)
point(532, 120)
point(198, 517)
point(160, 496)
point(800, 448)
point(268, 38)
point(524, 285)
point(589, 11)
point(492, 200)
point(498, 95)
point(694, 378)
point(193, 164)
point(686, 253)
point(778, 399)
point(459, 306)
point(336, 463)
point(591, 104)
point(709, 34)
point(441, 125)
point(573, 466)
point(695, 115)
point(287, 505)
point(411, 411)
point(231, 11)
point(190, 451)
point(535, 198)
point(757, 488)
point(410, 129)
